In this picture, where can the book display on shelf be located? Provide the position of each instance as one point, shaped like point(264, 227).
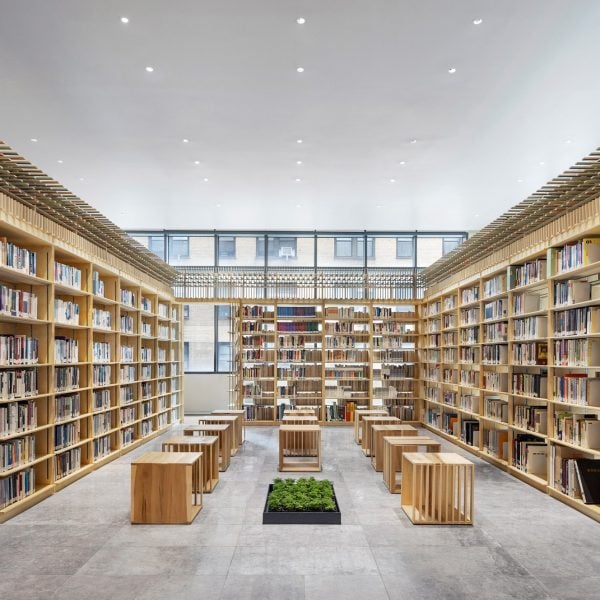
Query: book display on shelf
point(60, 363)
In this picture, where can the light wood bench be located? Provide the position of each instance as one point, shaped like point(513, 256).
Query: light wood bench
point(166, 487)
point(300, 412)
point(303, 443)
point(437, 488)
point(223, 432)
point(393, 449)
point(209, 446)
point(236, 413)
point(299, 420)
point(359, 413)
point(378, 433)
point(367, 423)
point(236, 427)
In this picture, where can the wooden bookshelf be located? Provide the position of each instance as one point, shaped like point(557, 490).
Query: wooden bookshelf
point(527, 388)
point(72, 401)
point(319, 356)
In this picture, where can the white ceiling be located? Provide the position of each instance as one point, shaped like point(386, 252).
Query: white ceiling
point(376, 76)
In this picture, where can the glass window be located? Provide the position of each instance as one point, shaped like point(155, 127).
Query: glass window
point(179, 247)
point(279, 247)
point(404, 247)
point(186, 312)
point(223, 312)
point(450, 243)
point(353, 247)
point(227, 246)
point(156, 244)
point(223, 357)
point(199, 336)
point(186, 356)
point(343, 247)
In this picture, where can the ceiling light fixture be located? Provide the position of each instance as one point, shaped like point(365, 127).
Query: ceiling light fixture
point(379, 206)
point(124, 20)
point(60, 162)
point(392, 181)
point(300, 20)
point(300, 69)
point(33, 140)
point(206, 181)
point(298, 180)
point(81, 179)
point(452, 70)
point(567, 141)
point(299, 141)
point(542, 162)
point(519, 181)
point(402, 162)
point(477, 21)
point(413, 141)
point(298, 205)
point(298, 162)
point(218, 205)
point(185, 140)
point(150, 69)
point(196, 162)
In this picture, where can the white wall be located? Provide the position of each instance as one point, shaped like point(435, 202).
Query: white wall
point(205, 393)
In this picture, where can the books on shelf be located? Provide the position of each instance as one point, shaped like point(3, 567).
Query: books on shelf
point(101, 400)
point(577, 321)
point(470, 432)
point(17, 452)
point(495, 285)
point(578, 429)
point(16, 487)
point(15, 257)
point(66, 407)
point(494, 354)
point(146, 354)
point(495, 310)
point(66, 312)
point(97, 284)
point(530, 455)
point(530, 272)
point(101, 352)
point(66, 378)
point(163, 310)
point(146, 304)
point(530, 327)
point(530, 353)
point(127, 297)
point(67, 275)
point(572, 291)
point(530, 384)
point(101, 447)
point(533, 418)
point(126, 395)
point(577, 353)
point(572, 256)
point(66, 350)
point(18, 303)
point(18, 350)
point(67, 434)
point(101, 374)
point(577, 388)
point(495, 443)
point(18, 383)
point(17, 417)
point(68, 462)
point(588, 476)
point(101, 318)
point(127, 324)
point(127, 353)
point(527, 303)
point(496, 408)
point(469, 295)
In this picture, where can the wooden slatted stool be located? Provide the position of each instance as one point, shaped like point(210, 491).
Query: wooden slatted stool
point(394, 448)
point(166, 487)
point(437, 488)
point(367, 423)
point(223, 432)
point(300, 412)
point(359, 413)
point(303, 443)
point(237, 413)
point(236, 427)
point(209, 446)
point(378, 432)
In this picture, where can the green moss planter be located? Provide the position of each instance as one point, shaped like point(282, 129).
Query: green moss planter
point(321, 509)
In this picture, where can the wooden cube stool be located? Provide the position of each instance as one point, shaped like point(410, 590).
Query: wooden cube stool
point(393, 449)
point(236, 427)
point(359, 413)
point(437, 488)
point(166, 487)
point(223, 432)
point(367, 423)
point(378, 433)
point(300, 442)
point(208, 446)
point(237, 413)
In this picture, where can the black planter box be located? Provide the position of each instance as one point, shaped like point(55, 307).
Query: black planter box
point(331, 517)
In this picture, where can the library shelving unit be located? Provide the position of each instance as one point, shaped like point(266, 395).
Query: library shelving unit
point(77, 387)
point(394, 360)
point(527, 393)
point(321, 356)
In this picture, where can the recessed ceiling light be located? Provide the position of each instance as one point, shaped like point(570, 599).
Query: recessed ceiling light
point(542, 162)
point(298, 162)
point(300, 20)
point(298, 205)
point(299, 141)
point(402, 162)
point(519, 181)
point(476, 215)
point(218, 205)
point(33, 140)
point(150, 69)
point(477, 21)
point(124, 20)
point(298, 180)
point(196, 162)
point(392, 181)
point(185, 140)
point(567, 141)
point(206, 180)
point(413, 141)
point(300, 69)
point(81, 179)
point(379, 206)
point(60, 162)
point(452, 70)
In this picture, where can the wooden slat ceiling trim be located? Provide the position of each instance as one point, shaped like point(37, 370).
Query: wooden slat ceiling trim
point(26, 184)
point(573, 188)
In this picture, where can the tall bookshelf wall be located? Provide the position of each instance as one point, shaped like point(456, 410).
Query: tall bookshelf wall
point(90, 364)
point(511, 364)
point(329, 357)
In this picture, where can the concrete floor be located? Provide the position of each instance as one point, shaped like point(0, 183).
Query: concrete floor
point(79, 543)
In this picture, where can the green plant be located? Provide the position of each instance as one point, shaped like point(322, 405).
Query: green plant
point(301, 495)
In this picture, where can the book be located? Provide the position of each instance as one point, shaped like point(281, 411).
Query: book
point(588, 475)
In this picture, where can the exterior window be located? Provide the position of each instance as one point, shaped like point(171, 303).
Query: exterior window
point(450, 243)
point(186, 312)
point(223, 312)
point(279, 247)
point(226, 246)
point(223, 357)
point(352, 247)
point(404, 247)
point(156, 244)
point(179, 247)
point(186, 356)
